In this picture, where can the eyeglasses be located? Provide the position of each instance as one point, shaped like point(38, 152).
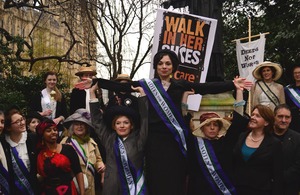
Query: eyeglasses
point(19, 121)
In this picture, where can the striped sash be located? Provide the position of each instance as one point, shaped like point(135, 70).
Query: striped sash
point(269, 93)
point(21, 174)
point(212, 169)
point(294, 94)
point(166, 109)
point(80, 151)
point(4, 177)
point(132, 181)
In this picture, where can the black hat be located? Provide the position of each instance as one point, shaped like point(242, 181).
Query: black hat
point(174, 58)
point(119, 110)
point(33, 114)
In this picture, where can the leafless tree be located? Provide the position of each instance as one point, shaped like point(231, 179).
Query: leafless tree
point(117, 34)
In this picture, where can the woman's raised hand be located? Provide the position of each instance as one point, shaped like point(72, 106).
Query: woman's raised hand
point(139, 90)
point(242, 83)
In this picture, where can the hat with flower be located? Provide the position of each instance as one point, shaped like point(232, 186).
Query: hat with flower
point(80, 115)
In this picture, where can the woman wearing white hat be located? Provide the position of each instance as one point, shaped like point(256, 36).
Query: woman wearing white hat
point(266, 91)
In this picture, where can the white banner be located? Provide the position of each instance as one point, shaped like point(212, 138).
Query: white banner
point(249, 55)
point(191, 37)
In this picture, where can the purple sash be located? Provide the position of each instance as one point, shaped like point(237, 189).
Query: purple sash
point(212, 169)
point(4, 177)
point(294, 94)
point(167, 110)
point(132, 181)
point(21, 174)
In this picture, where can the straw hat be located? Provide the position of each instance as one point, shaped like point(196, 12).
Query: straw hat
point(208, 117)
point(256, 72)
point(123, 77)
point(84, 69)
point(80, 115)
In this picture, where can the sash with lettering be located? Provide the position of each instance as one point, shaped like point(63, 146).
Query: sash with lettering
point(21, 174)
point(269, 93)
point(80, 151)
point(165, 107)
point(294, 94)
point(4, 186)
point(132, 181)
point(212, 169)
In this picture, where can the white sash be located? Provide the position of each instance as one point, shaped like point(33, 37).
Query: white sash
point(126, 168)
point(48, 104)
point(295, 94)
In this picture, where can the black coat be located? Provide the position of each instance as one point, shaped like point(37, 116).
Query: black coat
point(262, 174)
point(77, 100)
point(61, 107)
point(127, 99)
point(223, 149)
point(31, 148)
point(291, 154)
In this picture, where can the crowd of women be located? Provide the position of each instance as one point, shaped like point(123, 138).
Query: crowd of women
point(148, 149)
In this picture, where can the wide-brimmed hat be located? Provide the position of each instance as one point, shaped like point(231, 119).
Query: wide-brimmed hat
point(123, 77)
point(257, 71)
point(84, 69)
point(208, 117)
point(80, 115)
point(118, 110)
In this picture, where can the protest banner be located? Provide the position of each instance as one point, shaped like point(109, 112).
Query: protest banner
point(249, 55)
point(191, 37)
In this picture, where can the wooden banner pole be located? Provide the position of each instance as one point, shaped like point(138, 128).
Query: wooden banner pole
point(249, 91)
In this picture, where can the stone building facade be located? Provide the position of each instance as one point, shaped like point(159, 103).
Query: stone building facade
point(51, 37)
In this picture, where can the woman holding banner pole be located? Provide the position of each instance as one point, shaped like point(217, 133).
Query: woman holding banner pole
point(166, 151)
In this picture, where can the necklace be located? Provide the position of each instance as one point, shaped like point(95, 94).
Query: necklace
point(165, 83)
point(252, 139)
point(49, 154)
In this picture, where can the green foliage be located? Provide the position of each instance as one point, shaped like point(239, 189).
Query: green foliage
point(280, 18)
point(17, 89)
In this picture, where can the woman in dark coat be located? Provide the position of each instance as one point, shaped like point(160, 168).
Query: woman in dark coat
point(217, 137)
point(258, 164)
point(124, 137)
point(50, 102)
point(20, 152)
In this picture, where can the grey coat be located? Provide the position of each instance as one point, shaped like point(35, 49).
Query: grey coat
point(134, 144)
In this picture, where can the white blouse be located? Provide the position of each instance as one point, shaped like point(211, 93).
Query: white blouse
point(21, 148)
